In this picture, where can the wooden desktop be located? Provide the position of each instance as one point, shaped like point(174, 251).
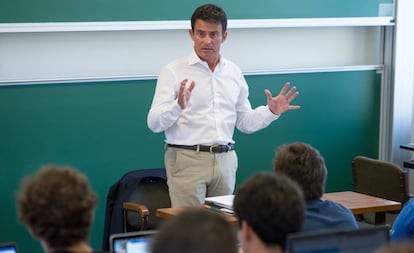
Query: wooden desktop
point(358, 203)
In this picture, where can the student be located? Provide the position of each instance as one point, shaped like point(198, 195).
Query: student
point(57, 206)
point(304, 165)
point(199, 100)
point(195, 230)
point(269, 207)
point(403, 226)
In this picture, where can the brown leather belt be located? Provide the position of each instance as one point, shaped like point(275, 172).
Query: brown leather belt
point(212, 149)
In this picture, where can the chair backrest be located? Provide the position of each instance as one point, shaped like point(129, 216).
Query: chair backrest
point(151, 191)
point(380, 178)
point(121, 191)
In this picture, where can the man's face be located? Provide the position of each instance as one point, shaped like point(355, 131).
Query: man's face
point(208, 38)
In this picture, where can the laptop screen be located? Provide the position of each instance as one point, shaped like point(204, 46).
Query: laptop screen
point(8, 248)
point(132, 242)
point(364, 240)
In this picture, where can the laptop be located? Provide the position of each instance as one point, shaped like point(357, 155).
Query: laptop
point(131, 242)
point(8, 248)
point(363, 240)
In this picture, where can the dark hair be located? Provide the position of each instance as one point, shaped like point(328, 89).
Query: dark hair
point(272, 205)
point(302, 163)
point(195, 230)
point(210, 13)
point(57, 205)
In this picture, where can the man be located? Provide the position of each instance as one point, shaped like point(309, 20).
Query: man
point(195, 230)
point(269, 207)
point(199, 100)
point(304, 165)
point(57, 206)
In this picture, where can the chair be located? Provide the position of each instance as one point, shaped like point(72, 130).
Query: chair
point(132, 202)
point(139, 210)
point(380, 179)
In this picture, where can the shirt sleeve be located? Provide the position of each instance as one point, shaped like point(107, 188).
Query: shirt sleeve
point(164, 110)
point(251, 120)
point(403, 226)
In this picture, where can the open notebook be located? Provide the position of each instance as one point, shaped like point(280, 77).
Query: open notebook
point(8, 248)
point(131, 242)
point(363, 240)
point(225, 201)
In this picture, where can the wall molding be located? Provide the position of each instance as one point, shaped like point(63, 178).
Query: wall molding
point(378, 68)
point(185, 24)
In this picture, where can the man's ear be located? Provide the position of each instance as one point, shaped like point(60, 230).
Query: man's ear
point(191, 34)
point(224, 37)
point(245, 231)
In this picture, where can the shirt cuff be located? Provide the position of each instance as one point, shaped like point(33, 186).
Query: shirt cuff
point(270, 115)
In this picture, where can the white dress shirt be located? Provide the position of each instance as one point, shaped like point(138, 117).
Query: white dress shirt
point(218, 103)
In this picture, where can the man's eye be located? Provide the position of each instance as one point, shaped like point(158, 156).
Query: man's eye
point(200, 34)
point(213, 35)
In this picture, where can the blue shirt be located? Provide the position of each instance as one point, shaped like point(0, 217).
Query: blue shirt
point(403, 226)
point(327, 214)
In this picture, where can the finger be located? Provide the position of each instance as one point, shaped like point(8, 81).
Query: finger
point(284, 89)
point(268, 94)
point(294, 107)
point(182, 86)
point(190, 89)
point(291, 91)
point(293, 96)
point(183, 82)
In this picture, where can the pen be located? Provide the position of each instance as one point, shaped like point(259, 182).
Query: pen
point(211, 207)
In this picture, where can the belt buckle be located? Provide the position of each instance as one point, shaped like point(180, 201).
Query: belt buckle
point(212, 147)
point(229, 147)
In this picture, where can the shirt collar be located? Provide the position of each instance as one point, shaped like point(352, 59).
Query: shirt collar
point(194, 59)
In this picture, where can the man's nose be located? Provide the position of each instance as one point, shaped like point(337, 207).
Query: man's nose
point(207, 40)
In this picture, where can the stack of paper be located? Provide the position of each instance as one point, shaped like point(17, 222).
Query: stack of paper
point(224, 201)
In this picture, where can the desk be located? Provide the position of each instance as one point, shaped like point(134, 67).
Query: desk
point(173, 211)
point(409, 146)
point(360, 203)
point(408, 163)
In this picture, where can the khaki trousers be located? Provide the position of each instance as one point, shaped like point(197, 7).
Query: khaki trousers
point(193, 175)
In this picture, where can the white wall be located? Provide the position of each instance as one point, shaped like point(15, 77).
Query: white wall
point(94, 55)
point(403, 111)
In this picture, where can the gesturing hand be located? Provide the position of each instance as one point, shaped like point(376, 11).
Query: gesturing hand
point(184, 93)
point(281, 103)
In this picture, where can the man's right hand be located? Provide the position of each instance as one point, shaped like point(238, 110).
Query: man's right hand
point(184, 93)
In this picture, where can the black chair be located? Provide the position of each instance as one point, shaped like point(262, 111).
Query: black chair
point(132, 202)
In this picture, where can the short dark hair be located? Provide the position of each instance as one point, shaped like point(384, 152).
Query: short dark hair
point(210, 13)
point(57, 205)
point(273, 205)
point(305, 165)
point(195, 230)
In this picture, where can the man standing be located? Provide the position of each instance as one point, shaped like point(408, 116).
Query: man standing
point(198, 102)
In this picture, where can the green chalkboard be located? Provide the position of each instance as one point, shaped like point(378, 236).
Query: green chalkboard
point(100, 128)
point(17, 11)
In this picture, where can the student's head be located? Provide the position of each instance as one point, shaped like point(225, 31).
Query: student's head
point(305, 165)
point(268, 206)
point(57, 205)
point(208, 31)
point(195, 230)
